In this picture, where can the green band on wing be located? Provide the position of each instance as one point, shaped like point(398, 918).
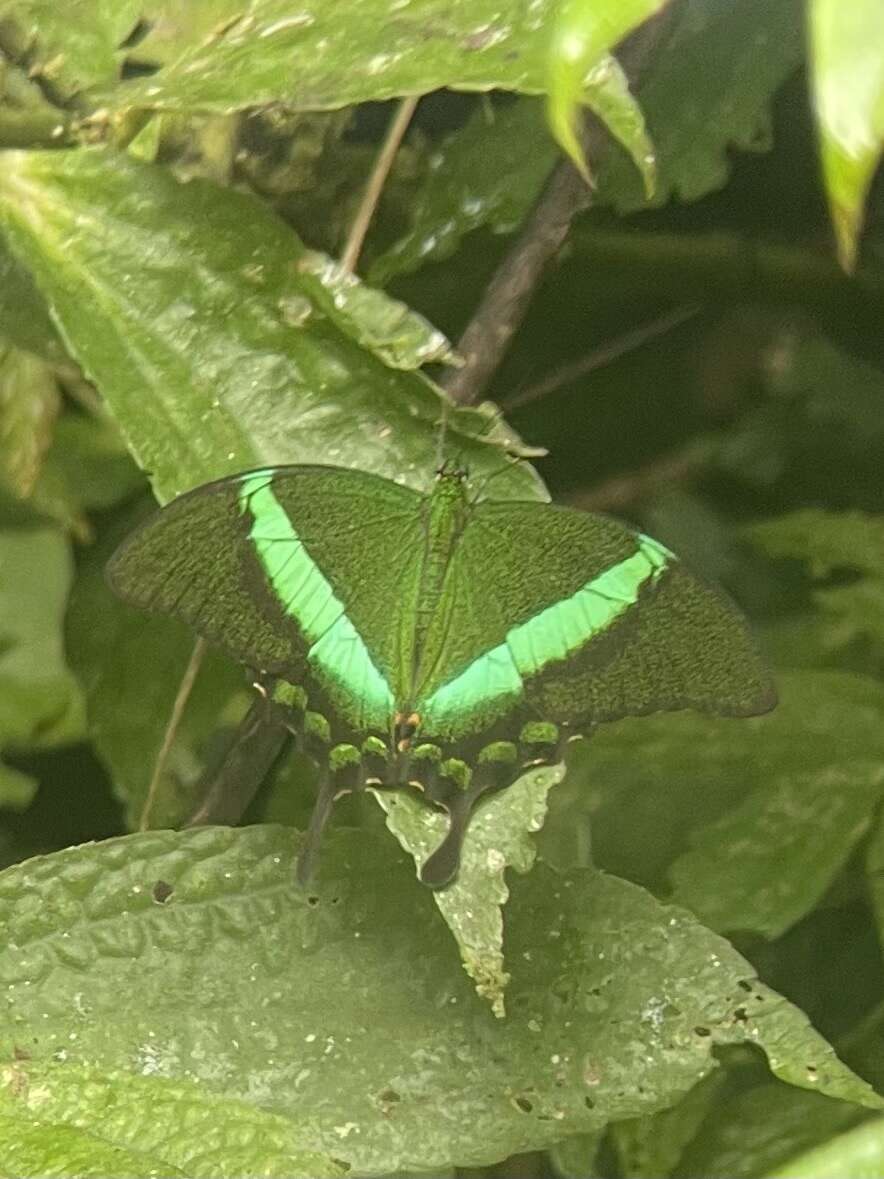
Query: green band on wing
point(496, 678)
point(304, 594)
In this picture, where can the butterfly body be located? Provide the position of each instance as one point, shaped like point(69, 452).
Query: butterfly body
point(445, 644)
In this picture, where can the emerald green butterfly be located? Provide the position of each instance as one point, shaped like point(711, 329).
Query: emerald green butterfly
point(433, 641)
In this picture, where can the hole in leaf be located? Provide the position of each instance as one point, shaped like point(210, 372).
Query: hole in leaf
point(701, 1031)
point(523, 1104)
point(589, 1103)
point(312, 899)
point(741, 1014)
point(389, 1096)
point(744, 985)
point(161, 892)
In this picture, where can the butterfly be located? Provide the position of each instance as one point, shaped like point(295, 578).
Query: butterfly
point(433, 642)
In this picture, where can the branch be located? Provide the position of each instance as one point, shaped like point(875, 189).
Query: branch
point(502, 308)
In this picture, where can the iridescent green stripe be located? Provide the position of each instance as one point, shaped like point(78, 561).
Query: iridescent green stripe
point(336, 649)
point(549, 637)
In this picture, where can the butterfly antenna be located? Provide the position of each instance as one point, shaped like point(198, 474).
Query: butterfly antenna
point(443, 430)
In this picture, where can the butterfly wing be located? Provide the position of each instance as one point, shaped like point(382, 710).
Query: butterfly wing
point(577, 619)
point(299, 571)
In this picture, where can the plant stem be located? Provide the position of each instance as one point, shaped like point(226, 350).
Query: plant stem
point(184, 690)
point(377, 179)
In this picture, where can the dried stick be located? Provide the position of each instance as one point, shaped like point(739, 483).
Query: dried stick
point(376, 181)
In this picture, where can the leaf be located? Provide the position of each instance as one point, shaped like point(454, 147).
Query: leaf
point(768, 862)
point(131, 665)
point(29, 403)
point(195, 333)
point(498, 838)
point(473, 179)
point(750, 819)
point(835, 543)
point(399, 336)
point(706, 91)
point(31, 1149)
point(61, 1118)
point(858, 1154)
point(847, 54)
point(87, 469)
point(761, 1128)
point(17, 790)
point(310, 59)
point(40, 703)
point(582, 34)
point(648, 1148)
point(24, 317)
point(70, 47)
point(344, 1011)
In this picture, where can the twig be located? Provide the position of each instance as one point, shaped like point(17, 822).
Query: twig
point(502, 307)
point(605, 354)
point(376, 181)
point(184, 690)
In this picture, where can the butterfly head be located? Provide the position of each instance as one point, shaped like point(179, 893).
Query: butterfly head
point(452, 469)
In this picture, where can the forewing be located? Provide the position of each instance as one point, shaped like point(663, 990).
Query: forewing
point(299, 571)
point(576, 618)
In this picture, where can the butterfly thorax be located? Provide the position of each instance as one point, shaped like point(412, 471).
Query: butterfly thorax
point(446, 510)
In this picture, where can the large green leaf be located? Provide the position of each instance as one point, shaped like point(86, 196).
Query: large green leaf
point(847, 52)
point(193, 957)
point(306, 56)
point(750, 820)
point(205, 338)
point(40, 702)
point(71, 46)
point(58, 1119)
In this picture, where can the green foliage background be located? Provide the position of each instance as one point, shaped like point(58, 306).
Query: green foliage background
point(689, 983)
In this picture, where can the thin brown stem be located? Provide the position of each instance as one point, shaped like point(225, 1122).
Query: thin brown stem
point(377, 179)
point(184, 690)
point(503, 306)
point(605, 354)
